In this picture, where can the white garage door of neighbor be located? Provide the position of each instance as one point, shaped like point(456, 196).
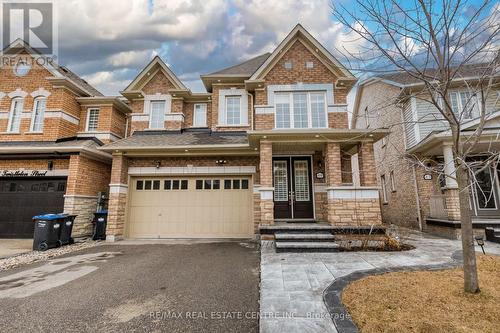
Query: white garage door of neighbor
point(190, 207)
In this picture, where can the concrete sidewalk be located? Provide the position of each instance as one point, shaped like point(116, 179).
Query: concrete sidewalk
point(10, 247)
point(292, 284)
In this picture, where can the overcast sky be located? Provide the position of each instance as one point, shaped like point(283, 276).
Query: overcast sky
point(109, 41)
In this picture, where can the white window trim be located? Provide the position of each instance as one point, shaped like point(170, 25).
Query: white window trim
point(309, 110)
point(393, 181)
point(88, 119)
point(384, 189)
point(18, 93)
point(151, 114)
point(154, 98)
point(2, 95)
point(205, 108)
point(40, 93)
point(477, 107)
point(33, 113)
point(11, 114)
point(242, 93)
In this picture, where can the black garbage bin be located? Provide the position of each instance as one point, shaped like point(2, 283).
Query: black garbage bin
point(47, 231)
point(100, 221)
point(66, 229)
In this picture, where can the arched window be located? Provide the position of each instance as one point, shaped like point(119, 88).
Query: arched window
point(38, 114)
point(16, 110)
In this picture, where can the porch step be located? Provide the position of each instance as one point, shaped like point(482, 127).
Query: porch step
point(306, 246)
point(303, 236)
point(493, 234)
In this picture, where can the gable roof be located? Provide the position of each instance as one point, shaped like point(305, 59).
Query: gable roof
point(59, 72)
point(246, 68)
point(146, 74)
point(300, 31)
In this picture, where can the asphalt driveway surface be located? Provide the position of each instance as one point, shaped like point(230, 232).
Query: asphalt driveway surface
point(200, 287)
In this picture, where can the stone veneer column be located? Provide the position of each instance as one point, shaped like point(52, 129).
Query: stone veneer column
point(118, 189)
point(266, 182)
point(79, 199)
point(367, 172)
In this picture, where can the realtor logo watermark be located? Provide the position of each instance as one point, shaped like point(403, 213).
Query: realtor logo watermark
point(31, 24)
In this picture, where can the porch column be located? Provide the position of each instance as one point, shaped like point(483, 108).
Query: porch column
point(333, 168)
point(449, 167)
point(118, 189)
point(367, 172)
point(451, 194)
point(333, 163)
point(266, 181)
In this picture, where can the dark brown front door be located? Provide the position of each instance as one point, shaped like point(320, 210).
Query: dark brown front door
point(23, 198)
point(292, 188)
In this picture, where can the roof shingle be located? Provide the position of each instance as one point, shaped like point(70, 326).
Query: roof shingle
point(245, 68)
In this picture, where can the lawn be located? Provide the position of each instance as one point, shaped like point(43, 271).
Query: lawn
point(427, 301)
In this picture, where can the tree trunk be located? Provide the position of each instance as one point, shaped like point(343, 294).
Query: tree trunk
point(471, 282)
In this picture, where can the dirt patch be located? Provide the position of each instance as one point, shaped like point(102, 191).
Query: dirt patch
point(429, 301)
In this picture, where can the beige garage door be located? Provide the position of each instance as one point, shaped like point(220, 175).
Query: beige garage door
point(190, 207)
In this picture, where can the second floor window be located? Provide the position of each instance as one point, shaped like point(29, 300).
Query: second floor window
point(233, 110)
point(16, 111)
point(93, 120)
point(38, 115)
point(464, 104)
point(300, 110)
point(200, 115)
point(157, 117)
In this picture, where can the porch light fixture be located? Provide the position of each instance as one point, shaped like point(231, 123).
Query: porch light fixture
point(158, 164)
point(480, 242)
point(221, 162)
point(50, 165)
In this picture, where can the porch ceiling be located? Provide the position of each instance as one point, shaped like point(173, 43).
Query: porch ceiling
point(315, 138)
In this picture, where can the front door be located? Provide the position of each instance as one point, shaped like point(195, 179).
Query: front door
point(487, 193)
point(292, 180)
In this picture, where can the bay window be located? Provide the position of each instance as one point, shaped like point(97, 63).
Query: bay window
point(38, 114)
point(157, 116)
point(300, 110)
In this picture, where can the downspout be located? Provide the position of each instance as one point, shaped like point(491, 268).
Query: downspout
point(251, 111)
point(126, 125)
point(419, 214)
point(414, 171)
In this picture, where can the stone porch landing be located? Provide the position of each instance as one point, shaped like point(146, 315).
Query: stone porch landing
point(292, 284)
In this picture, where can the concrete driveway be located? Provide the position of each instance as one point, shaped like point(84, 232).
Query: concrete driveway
point(198, 287)
point(10, 247)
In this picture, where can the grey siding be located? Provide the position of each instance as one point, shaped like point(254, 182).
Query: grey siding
point(411, 140)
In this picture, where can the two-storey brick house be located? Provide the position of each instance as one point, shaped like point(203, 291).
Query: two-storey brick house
point(268, 142)
point(51, 124)
point(412, 194)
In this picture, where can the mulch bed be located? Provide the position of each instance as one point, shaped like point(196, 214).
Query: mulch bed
point(426, 301)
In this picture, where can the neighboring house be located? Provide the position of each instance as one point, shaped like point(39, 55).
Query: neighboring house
point(413, 196)
point(51, 124)
point(268, 142)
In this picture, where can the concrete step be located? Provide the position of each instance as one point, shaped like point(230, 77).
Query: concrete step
point(303, 236)
point(306, 246)
point(493, 235)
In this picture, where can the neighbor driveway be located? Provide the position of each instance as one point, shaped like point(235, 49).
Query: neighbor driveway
point(11, 247)
point(142, 288)
point(293, 283)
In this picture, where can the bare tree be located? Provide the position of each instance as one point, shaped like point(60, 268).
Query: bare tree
point(435, 43)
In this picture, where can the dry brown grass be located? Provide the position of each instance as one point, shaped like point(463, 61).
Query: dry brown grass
point(427, 301)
